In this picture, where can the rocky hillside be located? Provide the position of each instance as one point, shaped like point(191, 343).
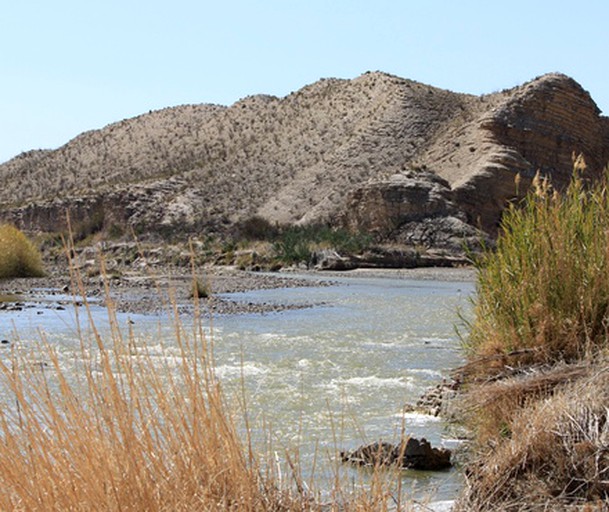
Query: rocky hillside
point(403, 160)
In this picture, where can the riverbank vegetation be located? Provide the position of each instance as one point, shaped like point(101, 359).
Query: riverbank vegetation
point(18, 255)
point(544, 292)
point(294, 244)
point(537, 379)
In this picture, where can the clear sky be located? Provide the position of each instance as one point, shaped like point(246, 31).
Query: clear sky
point(73, 65)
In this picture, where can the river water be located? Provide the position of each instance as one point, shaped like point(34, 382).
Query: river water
point(330, 377)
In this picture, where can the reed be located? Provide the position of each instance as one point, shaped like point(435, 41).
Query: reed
point(543, 295)
point(536, 395)
point(110, 426)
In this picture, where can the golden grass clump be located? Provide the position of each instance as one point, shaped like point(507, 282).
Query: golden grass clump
point(543, 295)
point(125, 435)
point(18, 256)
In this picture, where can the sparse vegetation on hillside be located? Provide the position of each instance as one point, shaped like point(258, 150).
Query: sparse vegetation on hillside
point(284, 155)
point(18, 256)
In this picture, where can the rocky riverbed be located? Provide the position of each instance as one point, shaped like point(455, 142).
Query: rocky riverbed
point(150, 292)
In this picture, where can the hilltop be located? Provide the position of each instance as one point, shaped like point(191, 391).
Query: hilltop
point(405, 161)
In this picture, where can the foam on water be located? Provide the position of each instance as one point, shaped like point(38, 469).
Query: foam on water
point(426, 372)
point(226, 371)
point(415, 418)
point(371, 382)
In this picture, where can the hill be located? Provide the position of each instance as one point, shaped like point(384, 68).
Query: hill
point(392, 156)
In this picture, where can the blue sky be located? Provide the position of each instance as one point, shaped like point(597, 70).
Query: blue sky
point(68, 66)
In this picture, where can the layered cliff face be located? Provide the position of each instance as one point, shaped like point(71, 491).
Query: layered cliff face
point(538, 126)
point(338, 151)
point(413, 208)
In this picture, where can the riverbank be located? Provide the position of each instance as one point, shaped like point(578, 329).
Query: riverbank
point(150, 291)
point(147, 285)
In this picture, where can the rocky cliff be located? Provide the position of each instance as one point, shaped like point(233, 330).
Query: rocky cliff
point(409, 162)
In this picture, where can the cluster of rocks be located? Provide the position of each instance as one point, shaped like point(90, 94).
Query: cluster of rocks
point(148, 290)
point(412, 453)
point(436, 400)
point(8, 305)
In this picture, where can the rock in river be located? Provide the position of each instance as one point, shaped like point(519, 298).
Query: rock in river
point(410, 454)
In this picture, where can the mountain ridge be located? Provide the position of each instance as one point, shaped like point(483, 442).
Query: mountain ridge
point(304, 157)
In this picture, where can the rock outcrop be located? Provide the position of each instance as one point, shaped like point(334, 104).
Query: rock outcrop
point(412, 208)
point(410, 163)
point(538, 126)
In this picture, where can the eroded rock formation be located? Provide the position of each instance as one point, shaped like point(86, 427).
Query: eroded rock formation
point(411, 454)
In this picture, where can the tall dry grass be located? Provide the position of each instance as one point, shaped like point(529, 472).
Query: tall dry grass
point(544, 293)
point(18, 256)
point(110, 427)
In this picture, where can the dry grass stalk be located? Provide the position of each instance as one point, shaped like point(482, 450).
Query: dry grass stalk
point(111, 427)
point(491, 407)
point(556, 456)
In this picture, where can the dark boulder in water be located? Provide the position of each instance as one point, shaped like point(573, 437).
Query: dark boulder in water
point(410, 454)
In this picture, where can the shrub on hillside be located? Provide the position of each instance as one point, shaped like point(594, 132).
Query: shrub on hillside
point(18, 256)
point(255, 228)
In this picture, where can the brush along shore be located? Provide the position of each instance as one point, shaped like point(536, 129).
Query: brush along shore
point(536, 384)
point(139, 270)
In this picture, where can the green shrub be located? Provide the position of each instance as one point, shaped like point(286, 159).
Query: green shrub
point(256, 228)
point(296, 244)
point(544, 292)
point(293, 246)
point(18, 256)
point(88, 226)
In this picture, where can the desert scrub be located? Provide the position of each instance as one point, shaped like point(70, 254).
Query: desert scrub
point(293, 246)
point(18, 256)
point(296, 244)
point(544, 293)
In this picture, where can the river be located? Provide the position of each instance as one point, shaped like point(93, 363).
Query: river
point(330, 377)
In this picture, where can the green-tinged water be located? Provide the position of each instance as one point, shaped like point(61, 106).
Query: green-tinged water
point(323, 379)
